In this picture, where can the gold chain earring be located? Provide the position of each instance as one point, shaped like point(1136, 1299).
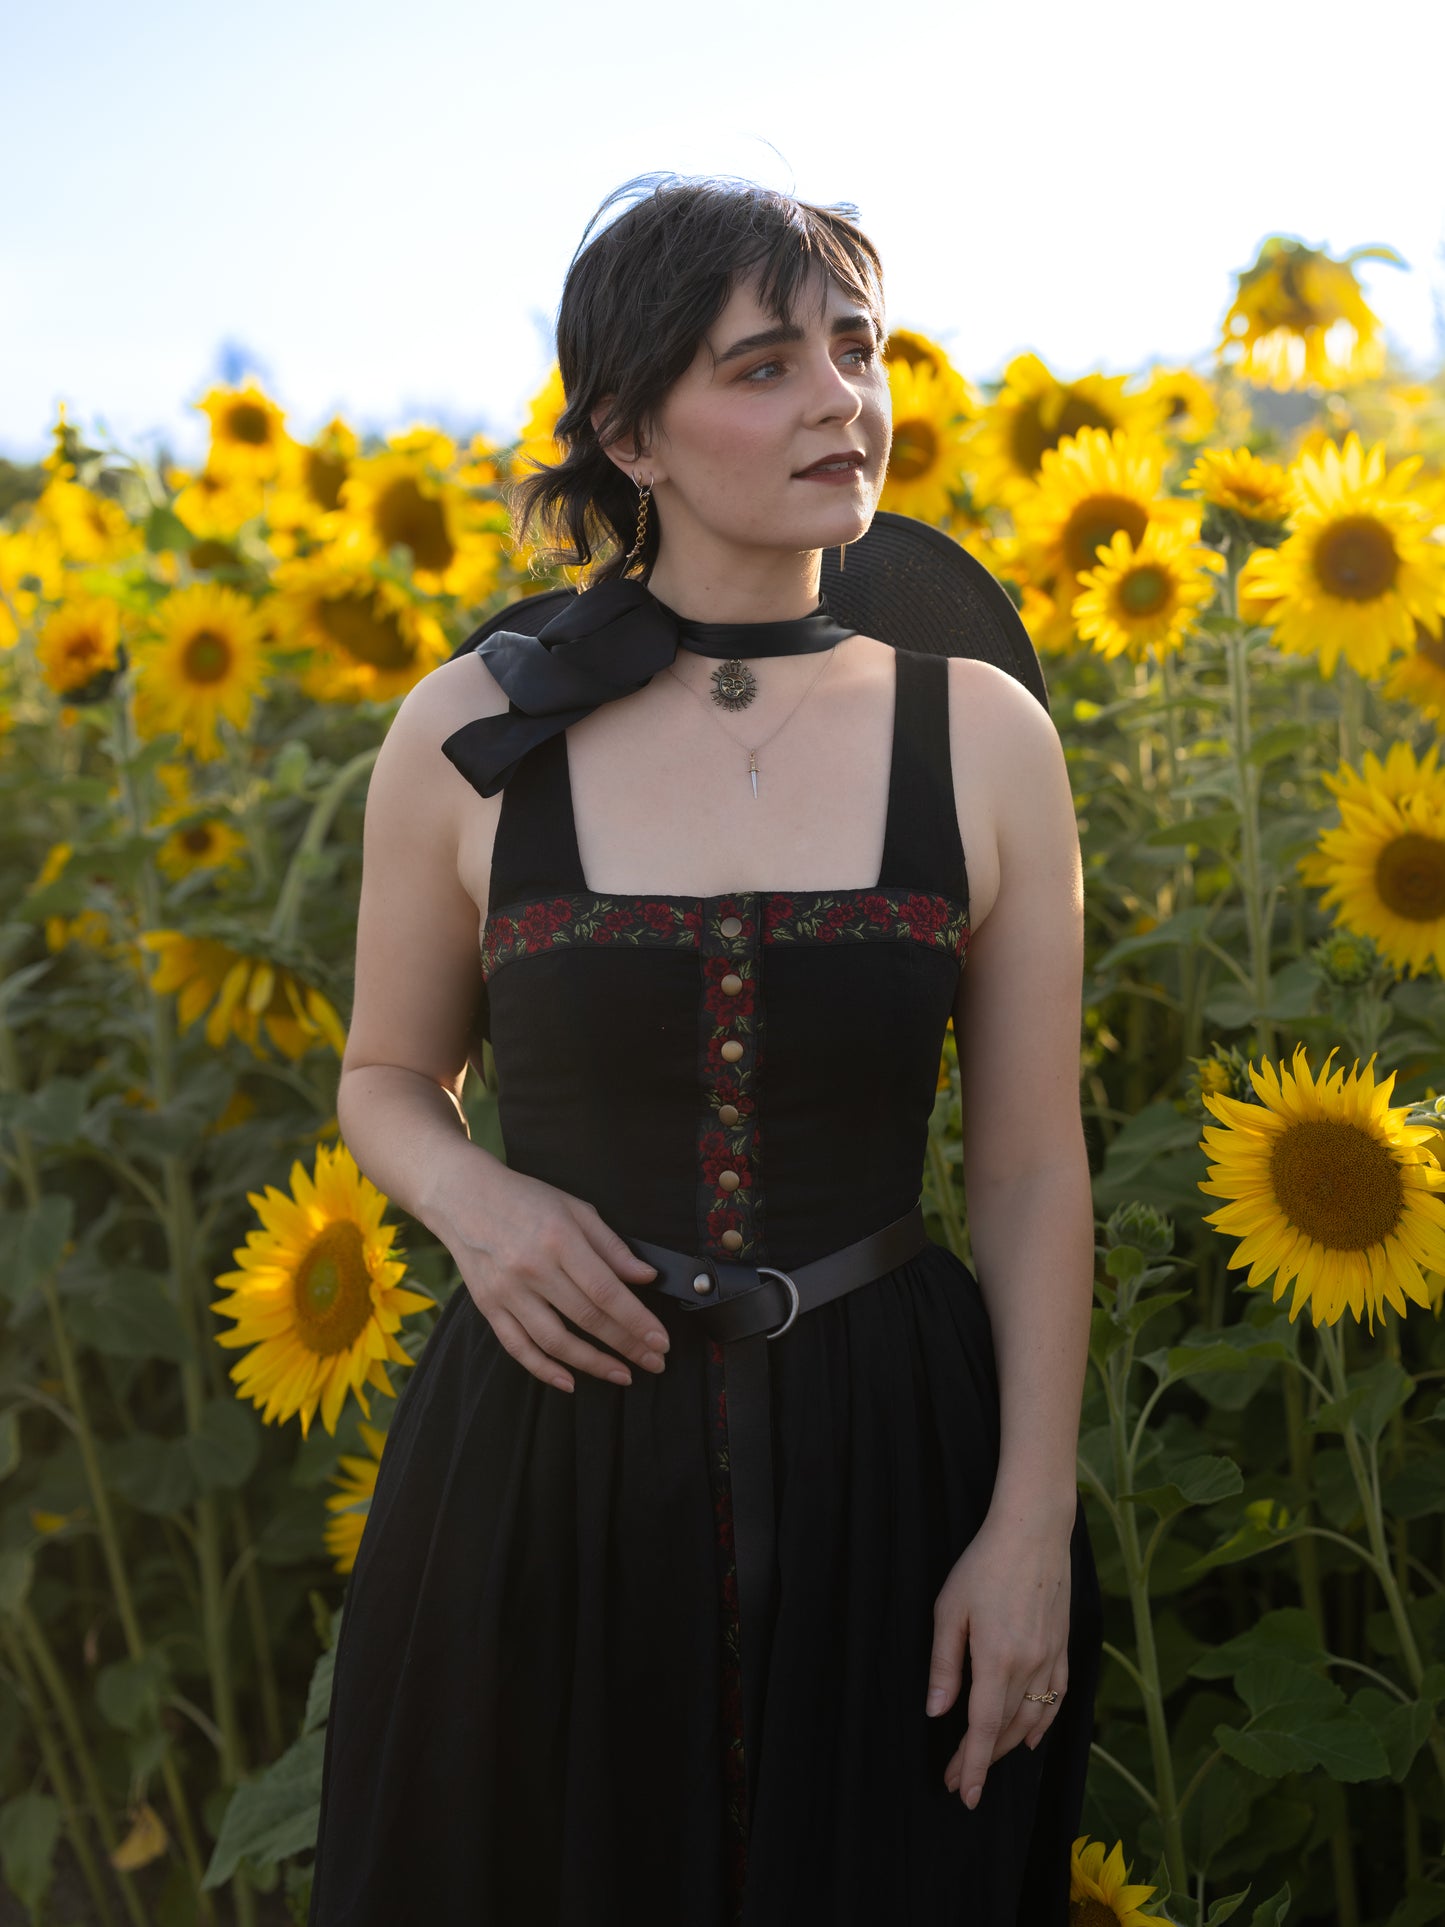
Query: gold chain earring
point(842, 557)
point(644, 496)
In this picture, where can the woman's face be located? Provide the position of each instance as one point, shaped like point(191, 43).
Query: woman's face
point(760, 404)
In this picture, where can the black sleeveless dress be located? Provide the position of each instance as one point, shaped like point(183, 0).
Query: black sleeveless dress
point(535, 1717)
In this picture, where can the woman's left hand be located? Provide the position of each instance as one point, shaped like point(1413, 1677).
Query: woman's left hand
point(1007, 1600)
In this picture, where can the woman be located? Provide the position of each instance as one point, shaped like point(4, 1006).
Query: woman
point(726, 1562)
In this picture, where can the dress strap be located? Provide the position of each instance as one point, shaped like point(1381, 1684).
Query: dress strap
point(922, 848)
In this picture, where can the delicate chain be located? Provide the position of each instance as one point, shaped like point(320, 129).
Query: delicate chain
point(753, 748)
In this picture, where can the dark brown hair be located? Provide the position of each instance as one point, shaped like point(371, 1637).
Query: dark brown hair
point(636, 304)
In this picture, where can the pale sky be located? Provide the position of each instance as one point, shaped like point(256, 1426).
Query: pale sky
point(372, 206)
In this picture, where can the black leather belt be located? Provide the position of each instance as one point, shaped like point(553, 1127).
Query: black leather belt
point(744, 1307)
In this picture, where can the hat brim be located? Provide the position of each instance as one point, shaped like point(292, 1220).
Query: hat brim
point(903, 581)
point(912, 586)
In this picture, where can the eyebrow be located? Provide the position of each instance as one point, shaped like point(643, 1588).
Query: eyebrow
point(843, 324)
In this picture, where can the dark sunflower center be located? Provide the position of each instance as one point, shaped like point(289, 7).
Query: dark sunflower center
point(405, 514)
point(1094, 524)
point(85, 648)
point(332, 1290)
point(1410, 876)
point(197, 839)
point(1336, 1183)
point(914, 450)
point(1144, 591)
point(211, 554)
point(1091, 1913)
point(366, 633)
point(207, 656)
point(250, 424)
point(324, 476)
point(1432, 648)
point(1032, 433)
point(1356, 558)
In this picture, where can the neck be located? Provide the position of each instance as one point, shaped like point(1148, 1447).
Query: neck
point(730, 582)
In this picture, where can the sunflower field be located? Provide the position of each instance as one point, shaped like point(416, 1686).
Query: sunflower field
point(1234, 574)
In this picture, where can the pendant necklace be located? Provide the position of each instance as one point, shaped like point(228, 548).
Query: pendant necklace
point(734, 687)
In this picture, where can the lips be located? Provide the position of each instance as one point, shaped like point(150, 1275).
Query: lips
point(847, 458)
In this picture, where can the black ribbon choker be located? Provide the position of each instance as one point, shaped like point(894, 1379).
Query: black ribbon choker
point(612, 640)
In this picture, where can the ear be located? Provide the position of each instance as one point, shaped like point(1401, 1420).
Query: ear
point(624, 452)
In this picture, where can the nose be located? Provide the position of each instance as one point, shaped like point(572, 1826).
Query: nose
point(832, 396)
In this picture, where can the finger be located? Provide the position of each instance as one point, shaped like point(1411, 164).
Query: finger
point(546, 1330)
point(1058, 1683)
point(985, 1718)
point(514, 1339)
point(1030, 1717)
point(593, 1298)
point(945, 1664)
point(601, 1266)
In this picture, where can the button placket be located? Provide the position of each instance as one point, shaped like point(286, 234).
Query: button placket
point(729, 1202)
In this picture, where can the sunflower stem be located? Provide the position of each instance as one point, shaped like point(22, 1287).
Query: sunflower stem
point(54, 1677)
point(1182, 896)
point(1397, 1598)
point(1116, 1374)
point(287, 913)
point(1301, 1452)
point(90, 1463)
point(945, 1195)
point(53, 1758)
point(1237, 647)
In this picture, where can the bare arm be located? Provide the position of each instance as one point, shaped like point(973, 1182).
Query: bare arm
point(1026, 1171)
point(526, 1250)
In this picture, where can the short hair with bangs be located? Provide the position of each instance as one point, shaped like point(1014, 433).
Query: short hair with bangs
point(637, 302)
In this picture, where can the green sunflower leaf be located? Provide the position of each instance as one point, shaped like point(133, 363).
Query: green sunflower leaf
point(1374, 1394)
point(1193, 1481)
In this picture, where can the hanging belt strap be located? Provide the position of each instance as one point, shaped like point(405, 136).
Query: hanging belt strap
point(745, 1307)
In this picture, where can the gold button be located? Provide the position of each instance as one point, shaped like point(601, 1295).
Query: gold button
point(728, 1113)
point(732, 1239)
point(732, 983)
point(732, 1050)
point(731, 926)
point(729, 1180)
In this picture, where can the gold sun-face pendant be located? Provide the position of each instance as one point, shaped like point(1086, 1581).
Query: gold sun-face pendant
point(733, 684)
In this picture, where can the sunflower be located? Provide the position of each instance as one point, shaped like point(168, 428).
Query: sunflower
point(214, 508)
point(1033, 412)
point(308, 485)
point(87, 526)
point(1090, 487)
point(89, 927)
point(1298, 317)
point(352, 1504)
point(1098, 1895)
point(1186, 407)
point(248, 433)
point(403, 496)
point(1146, 598)
point(1418, 676)
point(1359, 568)
point(318, 1296)
point(205, 662)
point(79, 651)
point(922, 351)
point(925, 461)
point(1330, 1187)
point(199, 843)
point(537, 442)
point(1384, 865)
point(1240, 482)
point(370, 639)
point(31, 570)
point(243, 994)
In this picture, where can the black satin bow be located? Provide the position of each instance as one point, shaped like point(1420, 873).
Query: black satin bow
point(610, 641)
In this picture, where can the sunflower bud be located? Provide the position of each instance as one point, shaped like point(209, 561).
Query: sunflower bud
point(1142, 1226)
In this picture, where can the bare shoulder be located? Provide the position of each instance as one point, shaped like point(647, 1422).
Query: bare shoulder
point(1010, 777)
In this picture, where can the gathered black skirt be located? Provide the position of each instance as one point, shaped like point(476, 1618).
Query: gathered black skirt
point(535, 1710)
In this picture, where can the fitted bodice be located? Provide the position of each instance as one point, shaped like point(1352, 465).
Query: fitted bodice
point(749, 1074)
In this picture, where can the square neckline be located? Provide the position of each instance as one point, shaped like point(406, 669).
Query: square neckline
point(690, 896)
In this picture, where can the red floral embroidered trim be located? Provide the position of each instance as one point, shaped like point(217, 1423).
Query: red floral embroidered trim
point(676, 923)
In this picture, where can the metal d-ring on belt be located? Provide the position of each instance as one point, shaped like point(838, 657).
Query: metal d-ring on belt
point(744, 1307)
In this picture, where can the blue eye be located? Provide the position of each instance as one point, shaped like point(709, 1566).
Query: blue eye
point(864, 349)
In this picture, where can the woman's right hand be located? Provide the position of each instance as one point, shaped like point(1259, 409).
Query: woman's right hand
point(528, 1251)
